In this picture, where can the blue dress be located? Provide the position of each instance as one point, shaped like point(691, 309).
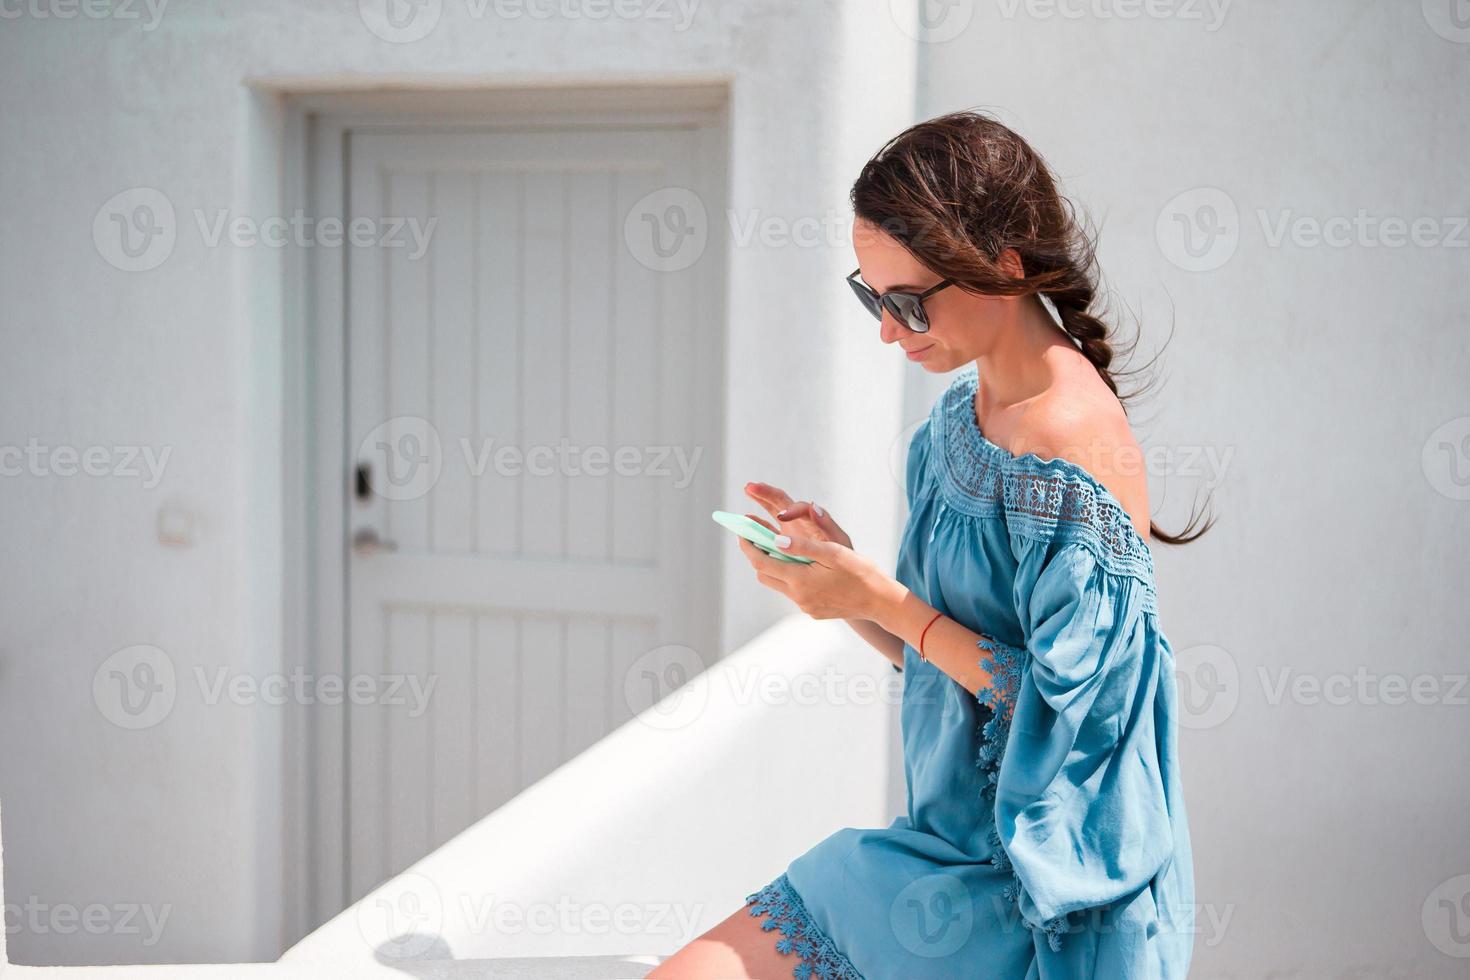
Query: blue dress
point(1045, 833)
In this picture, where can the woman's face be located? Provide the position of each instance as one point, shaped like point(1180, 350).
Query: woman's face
point(962, 325)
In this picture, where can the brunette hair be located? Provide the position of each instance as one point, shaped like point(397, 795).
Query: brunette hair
point(959, 190)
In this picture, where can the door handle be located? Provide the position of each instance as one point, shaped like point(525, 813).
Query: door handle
point(365, 542)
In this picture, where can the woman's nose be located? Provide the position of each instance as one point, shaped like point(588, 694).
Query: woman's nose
point(890, 329)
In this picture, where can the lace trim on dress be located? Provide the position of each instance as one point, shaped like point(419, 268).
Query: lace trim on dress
point(818, 957)
point(1004, 662)
point(1045, 499)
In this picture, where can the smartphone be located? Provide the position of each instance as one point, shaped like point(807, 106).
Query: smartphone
point(757, 534)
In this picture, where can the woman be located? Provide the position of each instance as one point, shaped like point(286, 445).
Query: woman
point(1045, 832)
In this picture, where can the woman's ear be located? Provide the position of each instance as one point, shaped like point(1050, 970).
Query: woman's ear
point(1009, 262)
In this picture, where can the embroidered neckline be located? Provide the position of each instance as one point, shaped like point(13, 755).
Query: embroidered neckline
point(1043, 498)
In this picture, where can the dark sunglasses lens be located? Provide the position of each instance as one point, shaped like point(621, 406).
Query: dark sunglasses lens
point(870, 302)
point(909, 309)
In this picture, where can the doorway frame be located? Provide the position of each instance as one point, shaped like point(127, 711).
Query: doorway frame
point(314, 538)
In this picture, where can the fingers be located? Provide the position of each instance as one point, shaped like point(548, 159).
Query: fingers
point(800, 508)
point(771, 498)
point(769, 582)
point(814, 512)
point(760, 561)
point(822, 552)
point(761, 520)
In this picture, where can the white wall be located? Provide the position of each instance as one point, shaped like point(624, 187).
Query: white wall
point(184, 816)
point(1320, 829)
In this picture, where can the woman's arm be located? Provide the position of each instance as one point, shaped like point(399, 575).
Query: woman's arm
point(949, 644)
point(808, 518)
point(841, 584)
point(881, 640)
point(891, 615)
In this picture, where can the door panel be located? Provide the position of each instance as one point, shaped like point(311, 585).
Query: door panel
point(517, 579)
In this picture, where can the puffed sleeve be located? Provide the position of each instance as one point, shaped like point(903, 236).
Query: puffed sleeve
point(916, 480)
point(1080, 802)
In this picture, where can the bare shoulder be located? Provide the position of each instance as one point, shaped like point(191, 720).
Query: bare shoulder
point(1085, 424)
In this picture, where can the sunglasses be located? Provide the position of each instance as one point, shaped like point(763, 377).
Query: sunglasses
point(907, 308)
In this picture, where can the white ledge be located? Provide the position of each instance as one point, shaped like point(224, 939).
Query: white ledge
point(636, 846)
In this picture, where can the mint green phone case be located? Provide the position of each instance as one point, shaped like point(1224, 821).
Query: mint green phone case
point(756, 533)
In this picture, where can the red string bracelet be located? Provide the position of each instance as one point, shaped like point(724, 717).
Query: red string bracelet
point(921, 637)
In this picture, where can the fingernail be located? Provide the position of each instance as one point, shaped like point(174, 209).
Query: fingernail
point(817, 509)
point(780, 514)
point(783, 541)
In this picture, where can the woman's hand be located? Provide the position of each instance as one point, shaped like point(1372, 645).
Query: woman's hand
point(839, 584)
point(801, 518)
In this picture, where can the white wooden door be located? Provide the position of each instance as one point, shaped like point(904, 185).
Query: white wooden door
point(537, 450)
